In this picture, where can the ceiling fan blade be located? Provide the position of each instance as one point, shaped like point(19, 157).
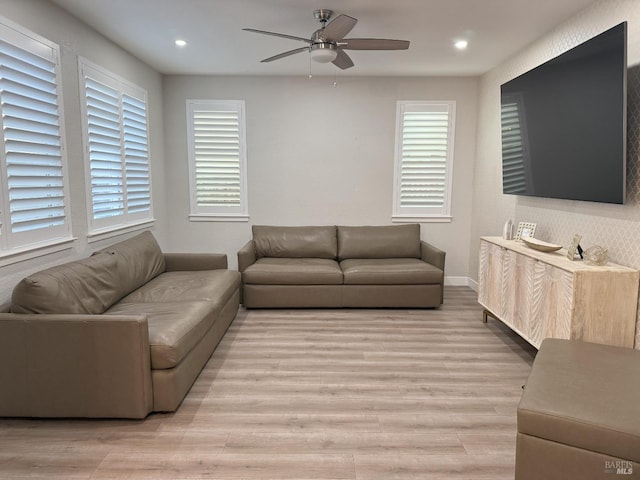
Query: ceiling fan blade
point(373, 44)
point(339, 27)
point(283, 35)
point(343, 60)
point(286, 54)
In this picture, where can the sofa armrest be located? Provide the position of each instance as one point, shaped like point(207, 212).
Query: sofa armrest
point(432, 255)
point(188, 262)
point(247, 255)
point(75, 366)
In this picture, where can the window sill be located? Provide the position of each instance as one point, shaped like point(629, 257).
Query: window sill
point(202, 217)
point(29, 252)
point(110, 232)
point(421, 219)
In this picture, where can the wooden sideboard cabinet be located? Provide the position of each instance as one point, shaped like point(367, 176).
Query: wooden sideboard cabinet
point(541, 295)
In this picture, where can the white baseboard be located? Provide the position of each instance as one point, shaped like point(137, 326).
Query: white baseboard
point(461, 282)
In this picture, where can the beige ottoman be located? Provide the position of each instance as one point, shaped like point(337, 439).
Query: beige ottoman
point(579, 416)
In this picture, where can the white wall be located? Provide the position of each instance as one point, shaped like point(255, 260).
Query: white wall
point(318, 155)
point(75, 39)
point(294, 179)
point(615, 227)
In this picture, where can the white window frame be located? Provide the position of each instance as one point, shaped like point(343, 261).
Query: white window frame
point(33, 241)
point(237, 211)
point(441, 211)
point(100, 226)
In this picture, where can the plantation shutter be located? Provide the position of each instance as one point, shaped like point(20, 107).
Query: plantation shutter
point(105, 151)
point(423, 159)
point(513, 149)
point(136, 153)
point(33, 174)
point(217, 158)
point(217, 149)
point(116, 138)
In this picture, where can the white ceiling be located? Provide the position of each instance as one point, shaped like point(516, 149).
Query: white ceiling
point(495, 29)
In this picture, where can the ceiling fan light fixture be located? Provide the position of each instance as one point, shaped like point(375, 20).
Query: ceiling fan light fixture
point(461, 44)
point(323, 52)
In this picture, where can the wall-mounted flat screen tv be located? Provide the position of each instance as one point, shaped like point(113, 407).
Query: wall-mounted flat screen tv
point(564, 124)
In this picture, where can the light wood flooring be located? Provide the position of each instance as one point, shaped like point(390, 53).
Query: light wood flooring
point(313, 394)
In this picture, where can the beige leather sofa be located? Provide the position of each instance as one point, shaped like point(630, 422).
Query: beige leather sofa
point(579, 416)
point(340, 266)
point(119, 334)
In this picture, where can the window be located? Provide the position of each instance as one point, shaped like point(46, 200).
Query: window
point(217, 160)
point(116, 150)
point(33, 184)
point(423, 161)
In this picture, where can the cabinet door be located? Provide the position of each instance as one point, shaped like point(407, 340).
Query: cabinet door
point(521, 287)
point(491, 277)
point(540, 292)
point(551, 303)
point(561, 311)
point(483, 273)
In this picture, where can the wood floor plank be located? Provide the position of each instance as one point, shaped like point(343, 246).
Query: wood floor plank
point(448, 423)
point(407, 391)
point(313, 394)
point(441, 467)
point(160, 466)
point(260, 422)
point(489, 443)
point(343, 442)
point(390, 405)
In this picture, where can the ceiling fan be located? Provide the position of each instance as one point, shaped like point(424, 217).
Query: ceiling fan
point(327, 44)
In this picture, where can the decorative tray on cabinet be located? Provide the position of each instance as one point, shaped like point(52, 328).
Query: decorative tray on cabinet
point(540, 245)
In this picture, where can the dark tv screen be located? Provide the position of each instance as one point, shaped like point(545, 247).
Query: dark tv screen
point(564, 124)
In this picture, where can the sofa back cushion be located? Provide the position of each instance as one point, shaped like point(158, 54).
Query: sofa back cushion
point(295, 242)
point(389, 241)
point(91, 285)
point(88, 286)
point(139, 260)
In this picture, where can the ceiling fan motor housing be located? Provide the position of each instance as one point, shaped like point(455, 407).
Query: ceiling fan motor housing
point(322, 15)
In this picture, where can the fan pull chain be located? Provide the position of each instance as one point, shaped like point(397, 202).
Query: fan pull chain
point(310, 76)
point(335, 81)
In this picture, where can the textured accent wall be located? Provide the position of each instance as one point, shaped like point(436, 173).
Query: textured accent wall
point(615, 227)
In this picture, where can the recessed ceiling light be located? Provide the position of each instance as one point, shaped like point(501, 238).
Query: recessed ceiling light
point(181, 43)
point(461, 44)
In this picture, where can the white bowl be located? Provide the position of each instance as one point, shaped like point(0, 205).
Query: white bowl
point(540, 245)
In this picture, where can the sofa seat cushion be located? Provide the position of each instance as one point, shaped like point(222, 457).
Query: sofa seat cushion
point(203, 285)
point(174, 327)
point(293, 271)
point(586, 396)
point(390, 271)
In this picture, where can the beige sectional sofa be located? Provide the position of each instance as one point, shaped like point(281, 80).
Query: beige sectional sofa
point(119, 334)
point(340, 266)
